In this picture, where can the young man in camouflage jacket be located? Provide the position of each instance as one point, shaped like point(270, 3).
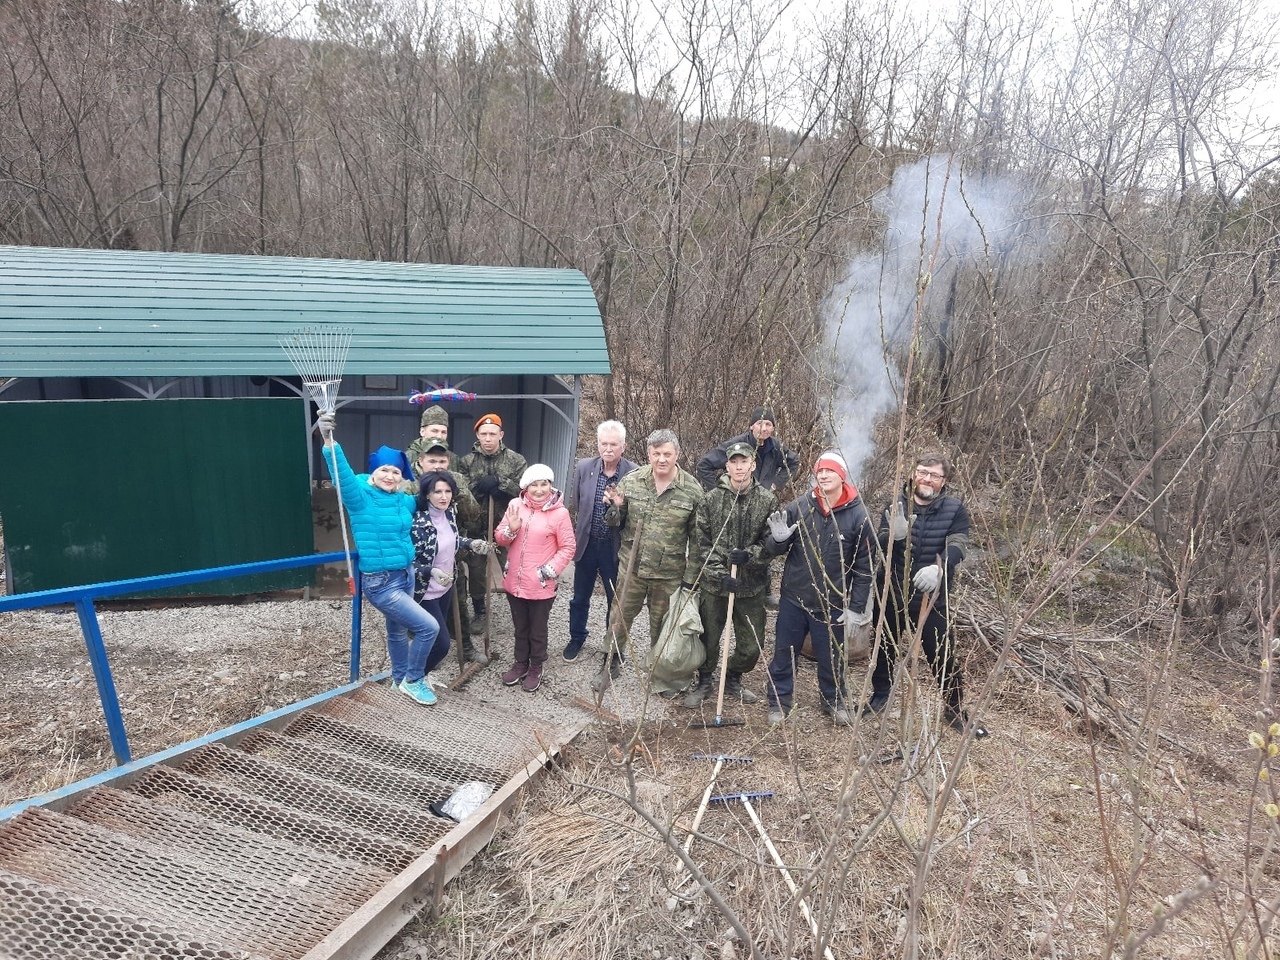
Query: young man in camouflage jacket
point(493, 472)
point(726, 558)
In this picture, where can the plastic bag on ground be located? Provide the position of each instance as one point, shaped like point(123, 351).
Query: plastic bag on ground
point(464, 801)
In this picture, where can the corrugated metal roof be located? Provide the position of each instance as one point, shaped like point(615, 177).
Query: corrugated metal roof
point(95, 313)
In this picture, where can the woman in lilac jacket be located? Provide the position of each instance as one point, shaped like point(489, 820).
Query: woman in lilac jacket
point(538, 533)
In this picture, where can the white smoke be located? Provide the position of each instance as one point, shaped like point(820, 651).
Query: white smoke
point(938, 221)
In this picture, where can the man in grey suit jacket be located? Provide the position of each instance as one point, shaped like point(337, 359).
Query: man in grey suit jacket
point(597, 554)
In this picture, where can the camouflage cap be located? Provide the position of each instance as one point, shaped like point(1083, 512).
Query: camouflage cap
point(432, 445)
point(435, 415)
point(740, 449)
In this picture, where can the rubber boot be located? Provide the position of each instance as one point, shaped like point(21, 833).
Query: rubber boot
point(472, 653)
point(610, 670)
point(693, 699)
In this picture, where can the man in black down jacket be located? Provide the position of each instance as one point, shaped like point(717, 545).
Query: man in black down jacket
point(775, 461)
point(923, 534)
point(826, 584)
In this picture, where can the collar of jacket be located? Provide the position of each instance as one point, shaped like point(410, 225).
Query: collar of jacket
point(848, 494)
point(728, 485)
point(551, 501)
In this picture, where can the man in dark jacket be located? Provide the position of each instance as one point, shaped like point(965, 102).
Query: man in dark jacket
point(923, 534)
point(597, 555)
point(727, 558)
point(827, 537)
point(775, 462)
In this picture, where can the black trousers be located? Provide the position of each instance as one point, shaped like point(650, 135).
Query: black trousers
point(530, 619)
point(935, 641)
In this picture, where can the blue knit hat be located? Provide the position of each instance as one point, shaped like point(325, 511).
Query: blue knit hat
point(386, 456)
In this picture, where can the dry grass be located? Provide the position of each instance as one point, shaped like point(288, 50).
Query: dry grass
point(1055, 841)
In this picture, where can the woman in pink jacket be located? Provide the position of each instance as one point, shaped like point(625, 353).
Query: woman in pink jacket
point(538, 533)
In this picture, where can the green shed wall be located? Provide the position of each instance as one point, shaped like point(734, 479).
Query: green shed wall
point(109, 490)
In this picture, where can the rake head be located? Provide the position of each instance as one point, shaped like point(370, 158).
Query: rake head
point(319, 356)
point(742, 797)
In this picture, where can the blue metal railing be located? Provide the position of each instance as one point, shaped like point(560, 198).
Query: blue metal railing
point(82, 598)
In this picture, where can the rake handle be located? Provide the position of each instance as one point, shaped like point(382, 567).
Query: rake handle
point(725, 638)
point(342, 522)
point(488, 581)
point(786, 874)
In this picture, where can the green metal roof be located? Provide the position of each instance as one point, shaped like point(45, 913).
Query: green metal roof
point(99, 313)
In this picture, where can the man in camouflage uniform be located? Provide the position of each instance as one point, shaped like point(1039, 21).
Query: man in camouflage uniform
point(731, 527)
point(433, 455)
point(493, 472)
point(434, 426)
point(665, 498)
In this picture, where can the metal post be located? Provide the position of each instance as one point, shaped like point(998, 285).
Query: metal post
point(357, 601)
point(102, 674)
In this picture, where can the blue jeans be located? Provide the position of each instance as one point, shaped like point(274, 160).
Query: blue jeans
point(598, 560)
point(827, 637)
point(391, 593)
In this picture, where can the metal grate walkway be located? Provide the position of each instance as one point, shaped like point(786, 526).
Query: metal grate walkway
point(306, 836)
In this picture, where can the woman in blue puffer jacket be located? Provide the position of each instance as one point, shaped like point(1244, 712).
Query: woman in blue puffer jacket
point(380, 520)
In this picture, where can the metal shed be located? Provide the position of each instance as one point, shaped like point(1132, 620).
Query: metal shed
point(80, 325)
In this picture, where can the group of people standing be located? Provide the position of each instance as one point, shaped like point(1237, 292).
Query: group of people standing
point(425, 522)
point(653, 529)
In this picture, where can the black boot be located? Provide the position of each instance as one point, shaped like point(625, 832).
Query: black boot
point(610, 670)
point(472, 653)
point(706, 683)
point(733, 689)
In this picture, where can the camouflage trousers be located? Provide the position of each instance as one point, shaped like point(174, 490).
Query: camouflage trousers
point(656, 594)
point(748, 631)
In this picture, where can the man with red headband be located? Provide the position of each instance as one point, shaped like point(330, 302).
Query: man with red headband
point(826, 584)
point(923, 533)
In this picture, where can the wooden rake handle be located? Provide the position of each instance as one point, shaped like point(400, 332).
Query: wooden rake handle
point(726, 638)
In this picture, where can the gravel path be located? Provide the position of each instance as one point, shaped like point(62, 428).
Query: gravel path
point(188, 670)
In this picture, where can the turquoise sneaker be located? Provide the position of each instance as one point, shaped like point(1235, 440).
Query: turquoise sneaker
point(419, 690)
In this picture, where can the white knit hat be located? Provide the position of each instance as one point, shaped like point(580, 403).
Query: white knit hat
point(536, 471)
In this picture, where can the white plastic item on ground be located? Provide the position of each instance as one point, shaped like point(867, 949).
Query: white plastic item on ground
point(466, 799)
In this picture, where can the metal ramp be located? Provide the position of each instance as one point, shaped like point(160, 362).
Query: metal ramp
point(305, 835)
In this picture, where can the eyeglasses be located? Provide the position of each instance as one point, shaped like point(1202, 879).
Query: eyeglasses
point(930, 474)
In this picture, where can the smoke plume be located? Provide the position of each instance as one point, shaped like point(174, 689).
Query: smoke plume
point(938, 221)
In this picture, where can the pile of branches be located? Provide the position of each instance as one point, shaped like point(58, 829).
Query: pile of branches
point(1067, 664)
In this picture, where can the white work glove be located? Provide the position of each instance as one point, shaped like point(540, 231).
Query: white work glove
point(546, 572)
point(899, 525)
point(479, 547)
point(779, 529)
point(855, 618)
point(326, 423)
point(441, 577)
point(927, 578)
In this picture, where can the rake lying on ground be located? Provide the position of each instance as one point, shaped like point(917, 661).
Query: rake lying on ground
point(319, 356)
